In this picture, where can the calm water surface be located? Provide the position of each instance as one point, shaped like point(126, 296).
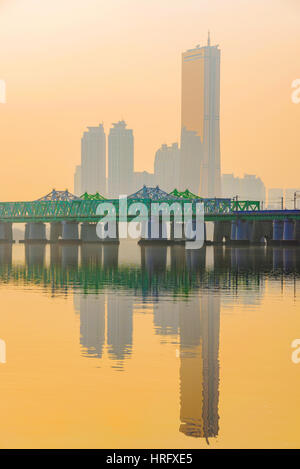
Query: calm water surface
point(123, 346)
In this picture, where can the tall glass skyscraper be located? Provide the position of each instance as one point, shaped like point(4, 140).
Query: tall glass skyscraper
point(200, 121)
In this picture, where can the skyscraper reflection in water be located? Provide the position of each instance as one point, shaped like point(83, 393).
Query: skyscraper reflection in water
point(199, 366)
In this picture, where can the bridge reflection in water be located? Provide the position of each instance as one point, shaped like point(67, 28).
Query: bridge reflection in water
point(183, 289)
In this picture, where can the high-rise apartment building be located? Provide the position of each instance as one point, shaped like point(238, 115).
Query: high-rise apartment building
point(93, 160)
point(249, 187)
point(167, 167)
point(77, 181)
point(275, 198)
point(200, 121)
point(120, 160)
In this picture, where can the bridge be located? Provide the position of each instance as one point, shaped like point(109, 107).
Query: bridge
point(235, 221)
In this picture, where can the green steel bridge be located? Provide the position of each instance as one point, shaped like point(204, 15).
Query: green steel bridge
point(62, 205)
point(234, 220)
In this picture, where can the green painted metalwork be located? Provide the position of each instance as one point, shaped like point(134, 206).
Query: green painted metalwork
point(245, 205)
point(86, 210)
point(96, 196)
point(185, 194)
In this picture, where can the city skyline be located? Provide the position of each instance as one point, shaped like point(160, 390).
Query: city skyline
point(100, 67)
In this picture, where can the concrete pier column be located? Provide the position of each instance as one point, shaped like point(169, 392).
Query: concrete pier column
point(242, 231)
point(26, 235)
point(288, 232)
point(190, 228)
point(103, 228)
point(36, 232)
point(177, 232)
point(233, 230)
point(297, 231)
point(55, 231)
point(277, 231)
point(218, 232)
point(88, 233)
point(70, 231)
point(156, 231)
point(6, 232)
point(255, 232)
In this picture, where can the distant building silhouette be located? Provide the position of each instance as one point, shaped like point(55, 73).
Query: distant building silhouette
point(143, 178)
point(167, 167)
point(77, 181)
point(93, 160)
point(249, 187)
point(120, 159)
point(292, 198)
point(275, 197)
point(200, 128)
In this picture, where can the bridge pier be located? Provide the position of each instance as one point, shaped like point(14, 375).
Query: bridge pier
point(256, 232)
point(70, 232)
point(277, 233)
point(155, 232)
point(297, 231)
point(55, 231)
point(239, 232)
point(88, 233)
point(288, 233)
point(222, 229)
point(35, 232)
point(190, 227)
point(6, 233)
point(177, 235)
point(233, 231)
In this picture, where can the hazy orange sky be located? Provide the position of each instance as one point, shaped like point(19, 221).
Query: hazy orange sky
point(73, 63)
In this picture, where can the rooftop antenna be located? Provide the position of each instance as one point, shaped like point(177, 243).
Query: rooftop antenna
point(208, 38)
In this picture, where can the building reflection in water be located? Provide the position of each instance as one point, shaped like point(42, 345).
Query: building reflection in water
point(106, 319)
point(185, 295)
point(199, 366)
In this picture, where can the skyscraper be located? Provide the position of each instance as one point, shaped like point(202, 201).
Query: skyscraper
point(77, 181)
point(93, 160)
point(200, 127)
point(167, 167)
point(120, 160)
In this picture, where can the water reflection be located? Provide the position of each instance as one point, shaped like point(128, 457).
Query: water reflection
point(183, 289)
point(199, 367)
